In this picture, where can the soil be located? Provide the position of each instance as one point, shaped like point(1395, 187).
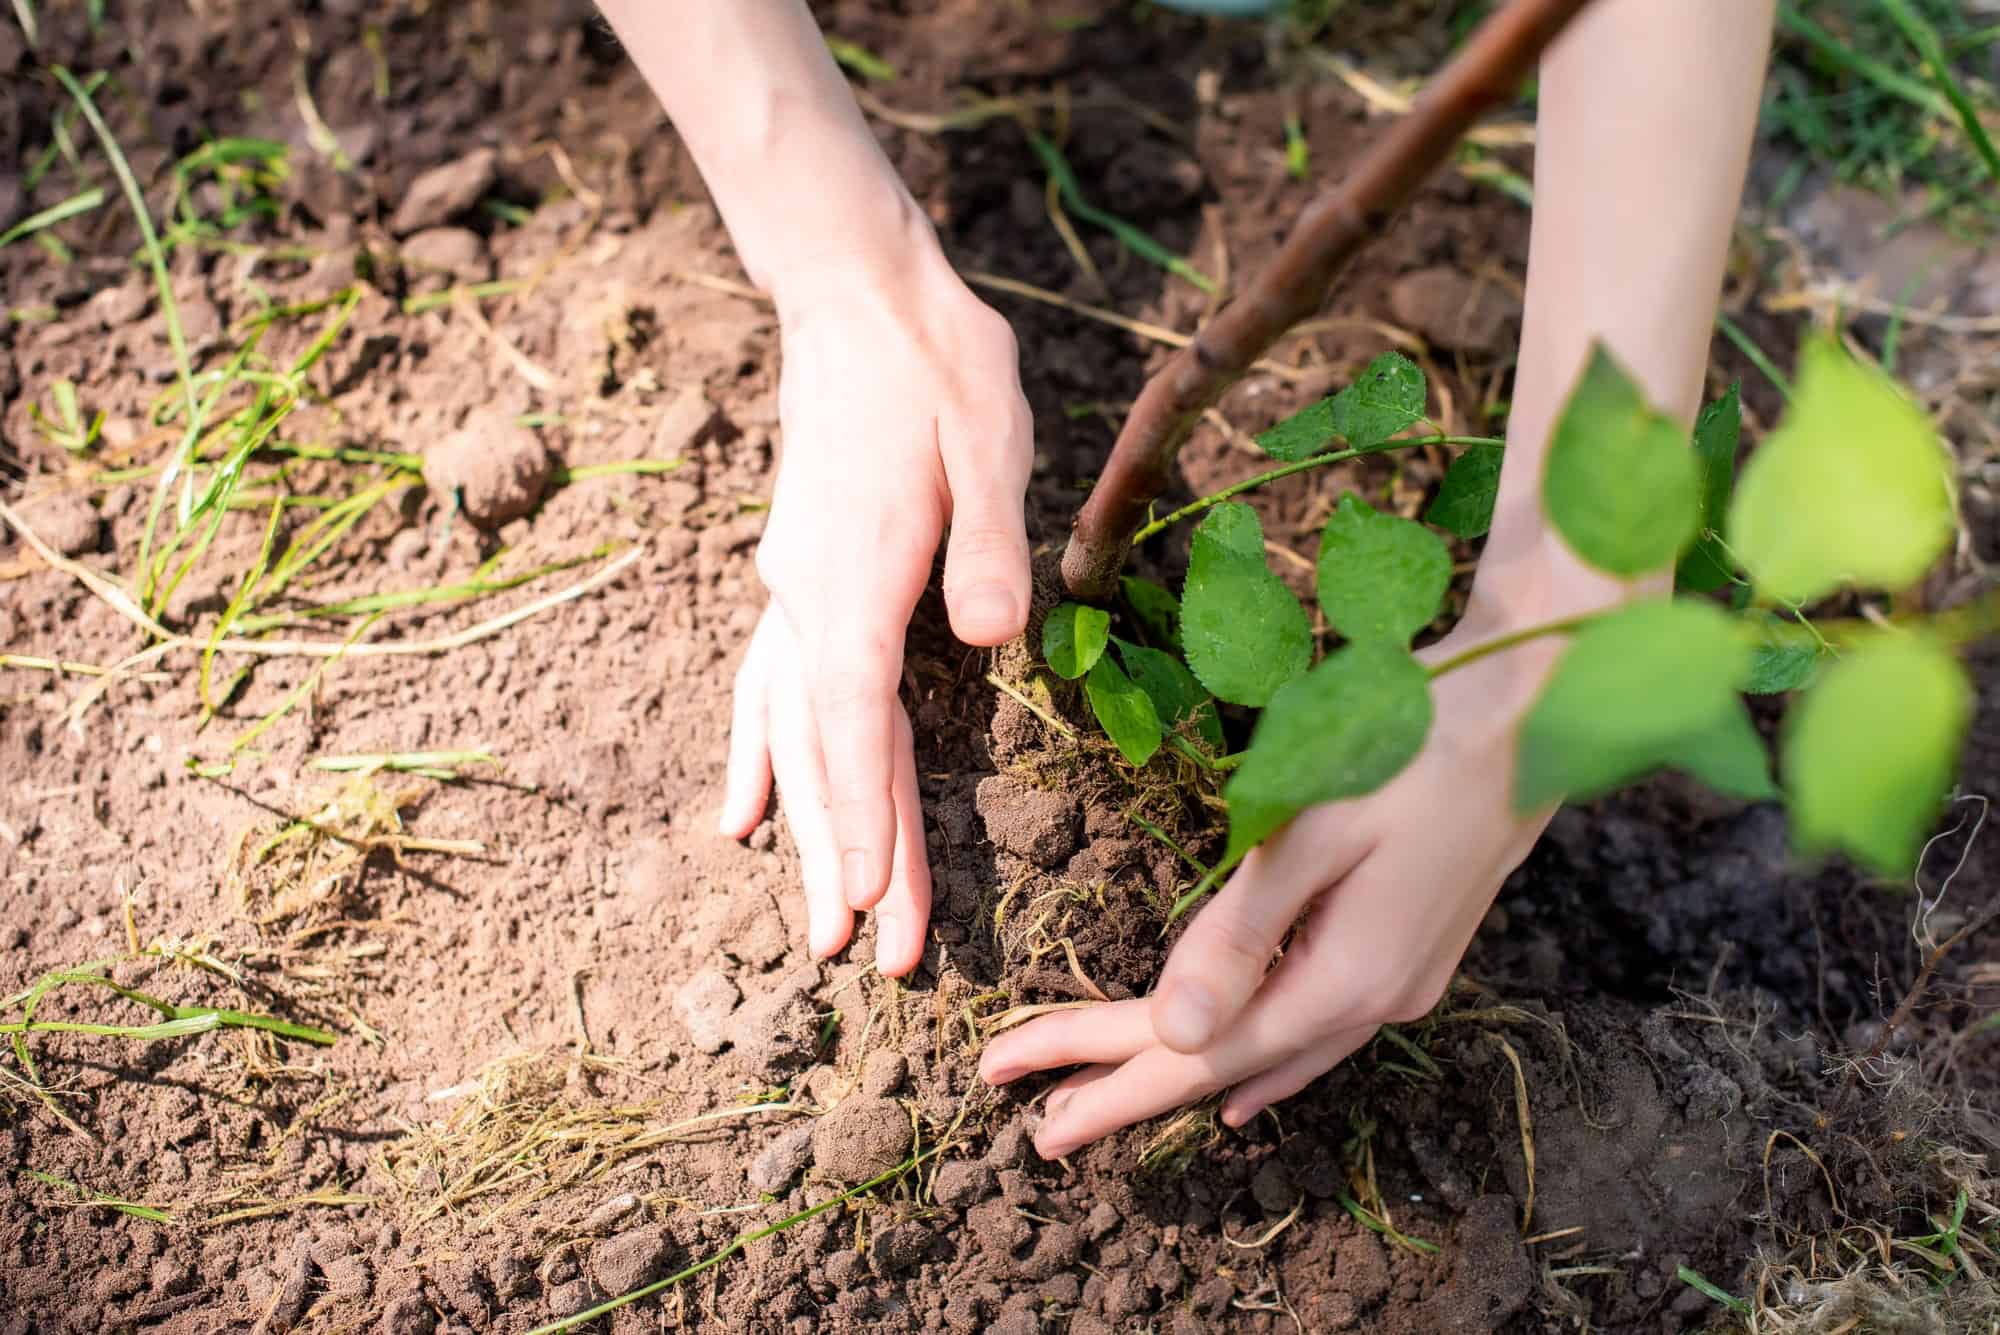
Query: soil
point(586, 1047)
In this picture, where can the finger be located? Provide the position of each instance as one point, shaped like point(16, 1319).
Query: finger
point(854, 703)
point(986, 559)
point(802, 787)
point(905, 910)
point(747, 789)
point(1061, 1093)
point(1156, 1081)
point(1108, 1032)
point(1219, 964)
point(1292, 1075)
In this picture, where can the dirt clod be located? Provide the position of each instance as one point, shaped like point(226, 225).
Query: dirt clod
point(1032, 823)
point(496, 467)
point(882, 1073)
point(66, 521)
point(779, 1162)
point(776, 1034)
point(454, 251)
point(704, 1004)
point(960, 1183)
point(635, 1257)
point(860, 1139)
point(445, 191)
point(1453, 309)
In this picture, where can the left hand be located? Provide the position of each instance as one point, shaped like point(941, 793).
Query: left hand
point(1392, 887)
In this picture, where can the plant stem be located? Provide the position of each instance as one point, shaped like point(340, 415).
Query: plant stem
point(1500, 643)
point(1317, 461)
point(1487, 71)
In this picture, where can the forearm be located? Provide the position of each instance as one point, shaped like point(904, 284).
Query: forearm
point(1646, 116)
point(802, 185)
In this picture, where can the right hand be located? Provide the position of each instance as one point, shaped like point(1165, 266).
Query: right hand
point(901, 412)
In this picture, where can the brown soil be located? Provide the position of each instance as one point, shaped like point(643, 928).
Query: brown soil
point(505, 1131)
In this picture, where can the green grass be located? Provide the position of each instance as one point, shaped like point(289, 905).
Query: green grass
point(1885, 94)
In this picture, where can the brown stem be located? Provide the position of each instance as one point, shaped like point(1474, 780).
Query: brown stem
point(1295, 283)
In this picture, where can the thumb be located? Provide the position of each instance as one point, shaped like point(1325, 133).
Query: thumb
point(1220, 962)
point(986, 558)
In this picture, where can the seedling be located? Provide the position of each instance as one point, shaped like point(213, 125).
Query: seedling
point(67, 426)
point(1851, 491)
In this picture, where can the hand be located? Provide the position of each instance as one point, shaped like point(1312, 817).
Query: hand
point(901, 412)
point(1392, 887)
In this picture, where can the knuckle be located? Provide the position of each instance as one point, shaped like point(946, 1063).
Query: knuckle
point(1235, 943)
point(1417, 998)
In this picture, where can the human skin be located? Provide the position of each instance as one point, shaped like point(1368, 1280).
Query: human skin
point(900, 411)
point(1646, 115)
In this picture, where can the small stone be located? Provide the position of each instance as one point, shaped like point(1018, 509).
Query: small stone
point(772, 1171)
point(861, 1139)
point(631, 1260)
point(449, 252)
point(882, 1073)
point(445, 191)
point(1453, 310)
point(496, 467)
point(683, 424)
point(116, 307)
point(608, 1215)
point(704, 1005)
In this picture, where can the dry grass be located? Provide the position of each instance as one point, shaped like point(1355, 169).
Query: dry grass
point(527, 1127)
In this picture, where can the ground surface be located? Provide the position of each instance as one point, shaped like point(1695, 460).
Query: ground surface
point(531, 1020)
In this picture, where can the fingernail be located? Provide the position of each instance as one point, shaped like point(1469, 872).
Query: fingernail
point(1187, 1017)
point(855, 879)
point(1001, 1075)
point(987, 605)
point(1055, 1149)
point(1234, 1118)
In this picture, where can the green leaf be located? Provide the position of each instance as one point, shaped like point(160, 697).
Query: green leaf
point(1783, 657)
point(1074, 637)
point(1343, 730)
point(1706, 567)
point(1464, 503)
point(1158, 611)
point(1870, 751)
point(1388, 396)
point(1622, 486)
point(1244, 632)
point(1649, 686)
point(1381, 577)
point(1175, 693)
point(1125, 711)
point(1852, 488)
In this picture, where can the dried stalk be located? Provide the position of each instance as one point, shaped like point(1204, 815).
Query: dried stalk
point(1296, 281)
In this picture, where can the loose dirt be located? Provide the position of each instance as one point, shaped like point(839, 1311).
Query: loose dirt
point(580, 1042)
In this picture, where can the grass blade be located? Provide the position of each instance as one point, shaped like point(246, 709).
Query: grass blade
point(1133, 238)
point(76, 204)
point(1924, 39)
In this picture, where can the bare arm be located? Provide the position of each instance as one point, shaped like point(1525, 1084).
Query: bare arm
point(900, 413)
point(1647, 110)
point(1647, 113)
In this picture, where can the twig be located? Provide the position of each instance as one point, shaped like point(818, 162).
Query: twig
point(1486, 73)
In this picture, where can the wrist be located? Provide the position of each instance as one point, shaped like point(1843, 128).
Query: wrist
point(889, 263)
point(1538, 580)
